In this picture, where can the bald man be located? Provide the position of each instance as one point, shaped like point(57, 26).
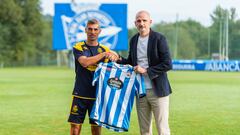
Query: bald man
point(150, 56)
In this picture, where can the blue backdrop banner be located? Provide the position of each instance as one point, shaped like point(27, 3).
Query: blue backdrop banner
point(207, 65)
point(70, 20)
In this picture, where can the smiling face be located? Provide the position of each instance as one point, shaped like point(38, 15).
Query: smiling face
point(143, 23)
point(93, 32)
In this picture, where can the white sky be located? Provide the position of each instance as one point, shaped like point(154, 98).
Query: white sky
point(161, 10)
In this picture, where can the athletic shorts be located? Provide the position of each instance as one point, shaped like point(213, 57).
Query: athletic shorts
point(79, 109)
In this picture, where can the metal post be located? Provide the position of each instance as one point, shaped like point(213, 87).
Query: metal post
point(176, 38)
point(58, 59)
point(227, 44)
point(220, 38)
point(209, 42)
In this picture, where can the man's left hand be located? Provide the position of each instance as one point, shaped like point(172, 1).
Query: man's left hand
point(139, 69)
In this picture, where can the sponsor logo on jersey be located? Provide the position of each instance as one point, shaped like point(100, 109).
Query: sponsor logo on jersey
point(115, 83)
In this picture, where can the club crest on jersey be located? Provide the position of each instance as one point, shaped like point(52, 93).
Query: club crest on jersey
point(85, 48)
point(109, 69)
point(128, 74)
point(100, 50)
point(75, 109)
point(115, 83)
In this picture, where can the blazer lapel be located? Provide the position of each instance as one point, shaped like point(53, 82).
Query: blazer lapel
point(150, 46)
point(135, 50)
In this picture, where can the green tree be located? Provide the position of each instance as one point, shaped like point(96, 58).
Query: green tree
point(234, 32)
point(25, 37)
point(11, 28)
point(199, 35)
point(186, 47)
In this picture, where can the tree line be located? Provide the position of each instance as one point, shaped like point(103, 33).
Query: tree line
point(26, 35)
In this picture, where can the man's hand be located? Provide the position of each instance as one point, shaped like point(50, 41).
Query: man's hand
point(113, 56)
point(139, 69)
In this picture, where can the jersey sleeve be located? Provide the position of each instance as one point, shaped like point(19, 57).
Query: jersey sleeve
point(97, 74)
point(140, 86)
point(77, 52)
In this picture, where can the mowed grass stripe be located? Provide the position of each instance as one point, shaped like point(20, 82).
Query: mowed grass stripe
point(36, 101)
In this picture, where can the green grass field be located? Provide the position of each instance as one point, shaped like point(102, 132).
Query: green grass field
point(36, 101)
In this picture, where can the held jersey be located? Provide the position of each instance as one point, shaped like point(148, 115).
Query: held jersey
point(116, 87)
point(83, 81)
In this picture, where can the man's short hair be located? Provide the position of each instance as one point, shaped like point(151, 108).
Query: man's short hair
point(93, 21)
point(143, 11)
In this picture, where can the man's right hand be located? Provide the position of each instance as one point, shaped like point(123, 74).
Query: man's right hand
point(113, 56)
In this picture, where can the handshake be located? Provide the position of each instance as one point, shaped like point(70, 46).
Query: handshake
point(111, 55)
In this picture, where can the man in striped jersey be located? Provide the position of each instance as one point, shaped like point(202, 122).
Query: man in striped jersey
point(87, 55)
point(116, 87)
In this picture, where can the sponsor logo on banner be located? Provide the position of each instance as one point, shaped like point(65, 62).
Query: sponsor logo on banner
point(207, 65)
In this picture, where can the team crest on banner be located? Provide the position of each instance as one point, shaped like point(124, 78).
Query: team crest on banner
point(70, 21)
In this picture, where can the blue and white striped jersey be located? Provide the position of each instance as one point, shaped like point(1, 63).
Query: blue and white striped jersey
point(116, 87)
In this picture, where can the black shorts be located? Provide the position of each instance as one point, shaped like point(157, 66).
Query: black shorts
point(79, 109)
